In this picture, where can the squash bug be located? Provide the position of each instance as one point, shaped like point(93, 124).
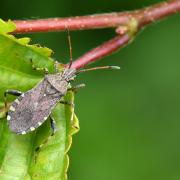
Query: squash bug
point(33, 107)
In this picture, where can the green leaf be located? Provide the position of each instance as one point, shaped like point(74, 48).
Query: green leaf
point(19, 157)
point(6, 27)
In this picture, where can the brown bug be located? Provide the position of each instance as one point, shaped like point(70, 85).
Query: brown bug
point(33, 107)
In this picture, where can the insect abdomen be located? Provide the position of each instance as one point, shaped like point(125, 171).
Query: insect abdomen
point(31, 109)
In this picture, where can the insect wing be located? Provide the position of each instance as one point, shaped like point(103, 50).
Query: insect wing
point(31, 109)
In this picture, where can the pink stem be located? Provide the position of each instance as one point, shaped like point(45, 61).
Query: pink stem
point(72, 23)
point(120, 21)
point(101, 51)
point(157, 11)
point(144, 16)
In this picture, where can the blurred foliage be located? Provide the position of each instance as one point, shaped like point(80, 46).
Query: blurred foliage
point(129, 118)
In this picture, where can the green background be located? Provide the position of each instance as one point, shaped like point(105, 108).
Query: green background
point(129, 119)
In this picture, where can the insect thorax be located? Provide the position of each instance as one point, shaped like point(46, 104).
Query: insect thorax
point(60, 81)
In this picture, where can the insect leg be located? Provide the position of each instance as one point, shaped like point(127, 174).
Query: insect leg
point(75, 88)
point(57, 66)
point(53, 125)
point(10, 92)
point(67, 103)
point(45, 70)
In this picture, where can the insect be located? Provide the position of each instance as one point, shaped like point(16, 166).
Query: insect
point(32, 108)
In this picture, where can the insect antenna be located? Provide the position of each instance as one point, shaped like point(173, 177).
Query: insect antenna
point(70, 48)
point(97, 68)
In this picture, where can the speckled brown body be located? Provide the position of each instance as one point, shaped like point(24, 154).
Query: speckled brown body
point(33, 107)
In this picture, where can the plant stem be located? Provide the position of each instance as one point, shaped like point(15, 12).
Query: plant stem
point(125, 23)
point(72, 23)
point(144, 16)
point(157, 11)
point(101, 51)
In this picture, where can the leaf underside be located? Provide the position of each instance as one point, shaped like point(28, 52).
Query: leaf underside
point(20, 157)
